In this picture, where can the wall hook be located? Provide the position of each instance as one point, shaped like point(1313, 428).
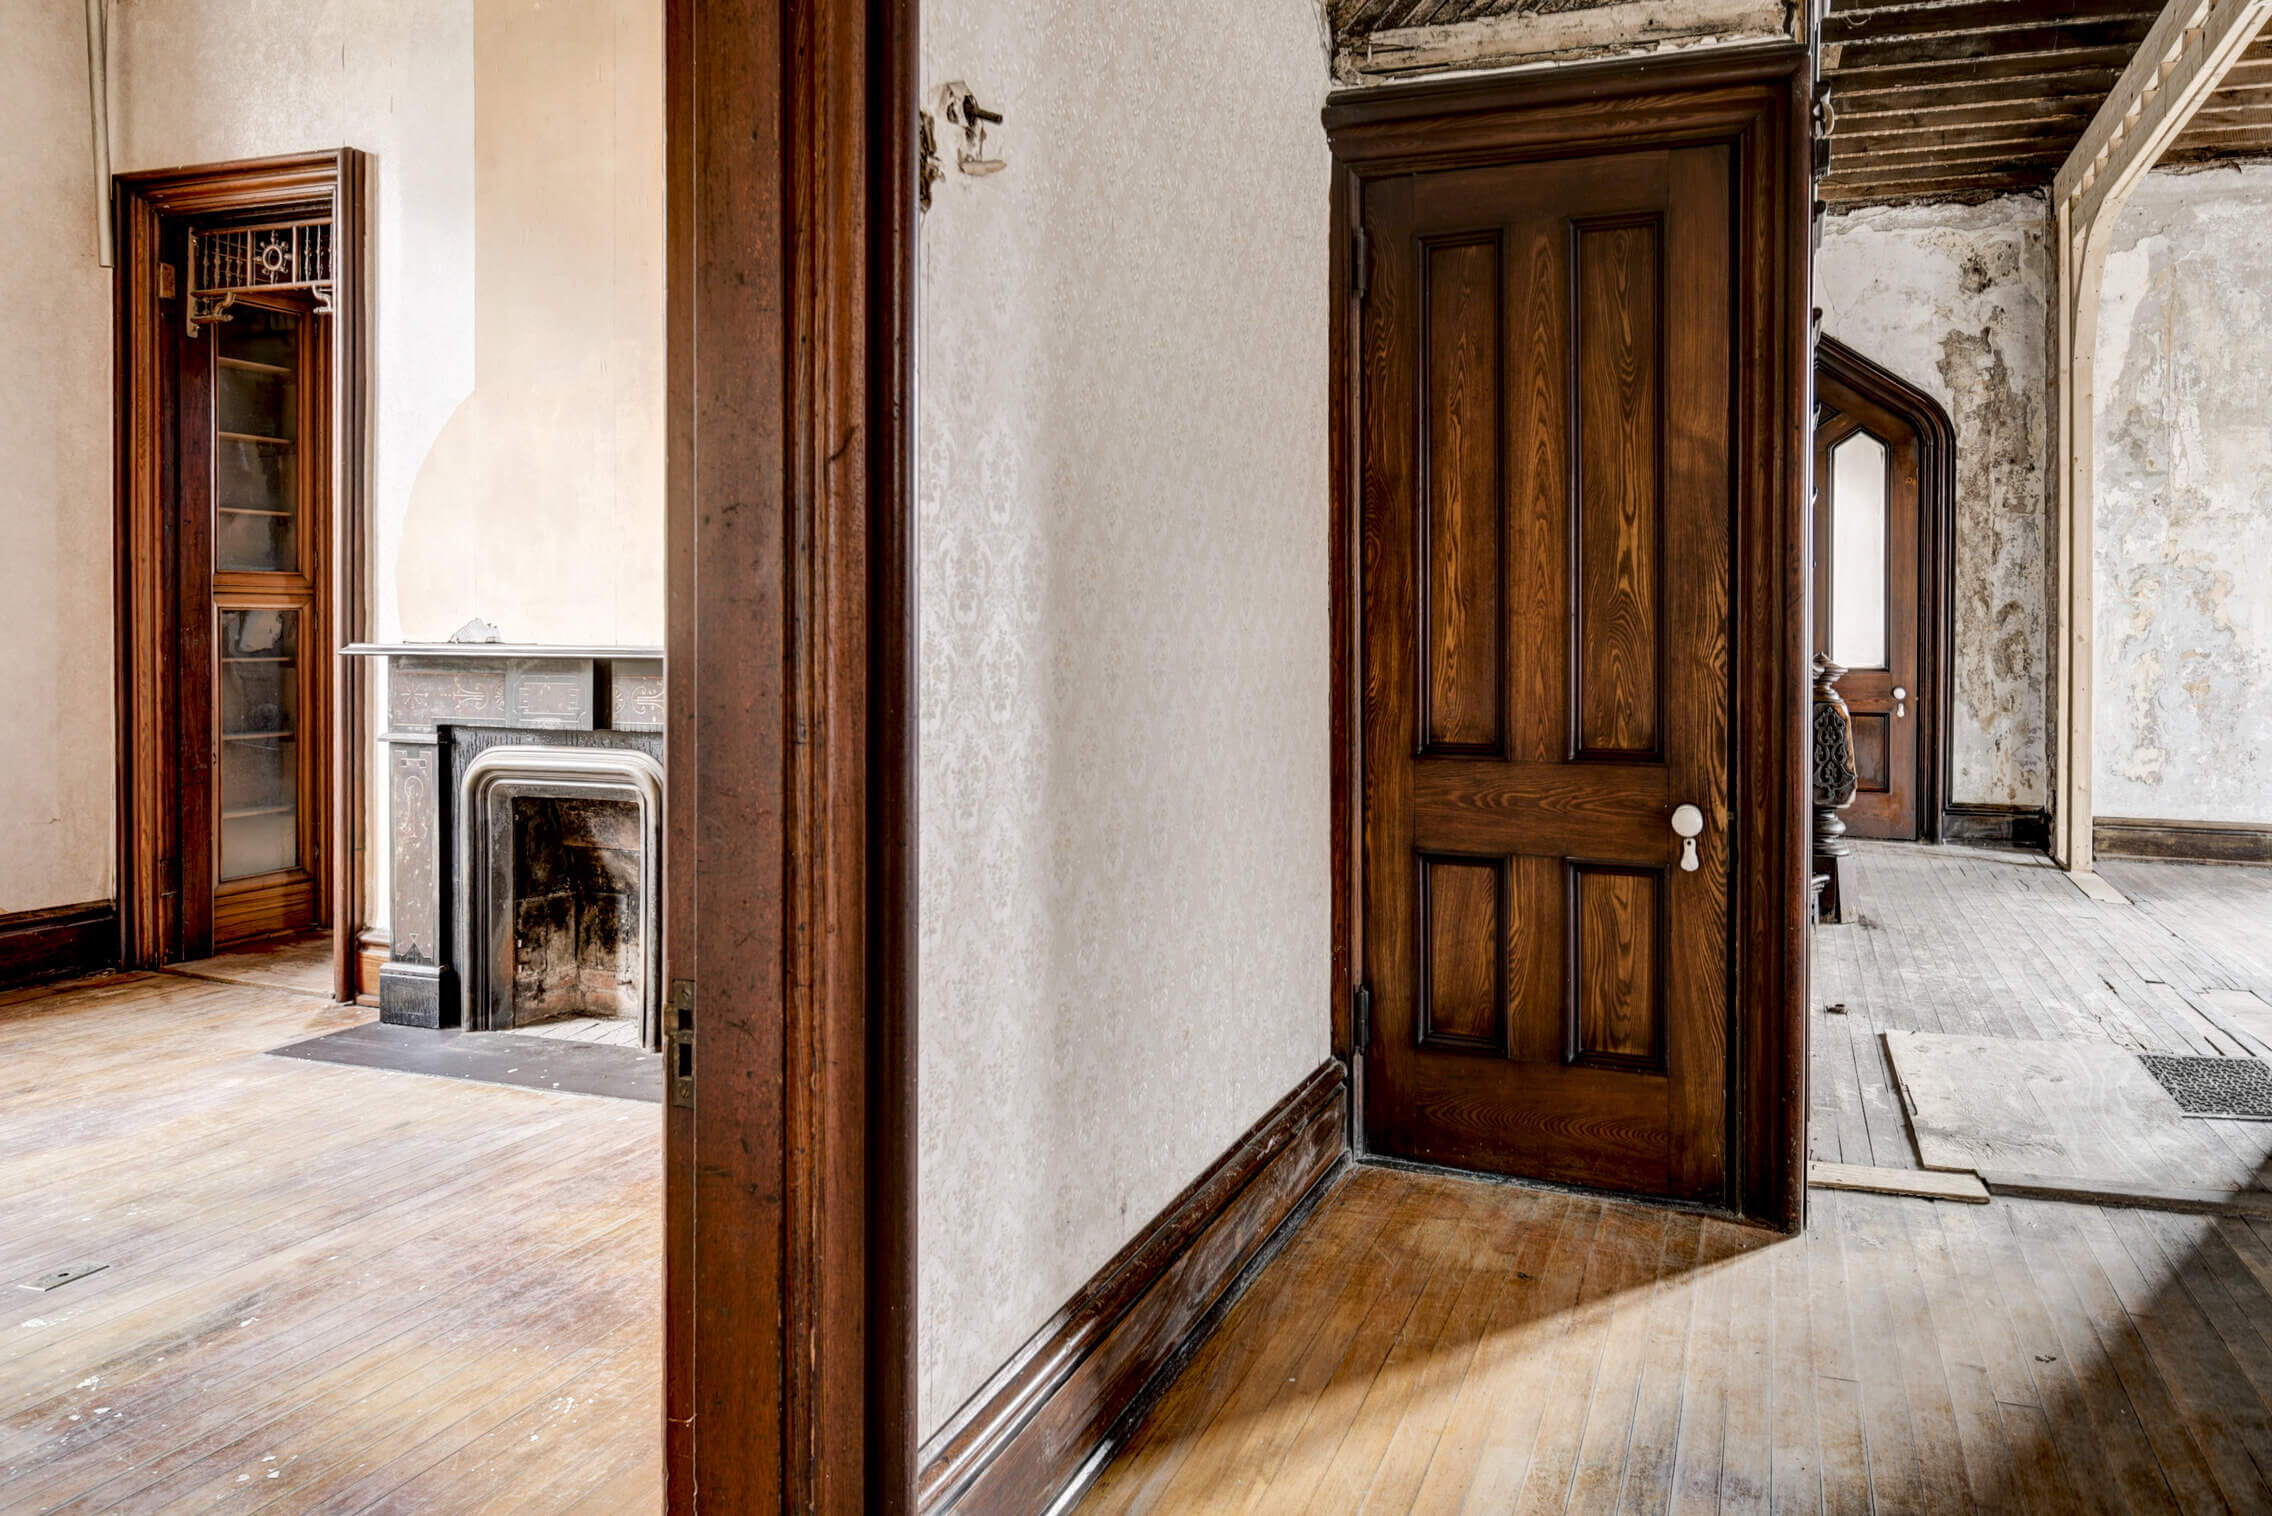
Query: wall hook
point(961, 108)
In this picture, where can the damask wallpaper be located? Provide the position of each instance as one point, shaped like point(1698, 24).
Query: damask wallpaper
point(1124, 663)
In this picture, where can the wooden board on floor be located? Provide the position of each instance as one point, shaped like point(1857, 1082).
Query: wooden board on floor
point(280, 963)
point(1997, 943)
point(1924, 1184)
point(2084, 1110)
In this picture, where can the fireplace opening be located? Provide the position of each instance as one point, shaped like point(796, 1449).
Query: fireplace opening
point(577, 933)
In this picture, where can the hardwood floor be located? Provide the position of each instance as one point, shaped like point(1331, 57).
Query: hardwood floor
point(283, 963)
point(1989, 943)
point(1437, 1344)
point(329, 1289)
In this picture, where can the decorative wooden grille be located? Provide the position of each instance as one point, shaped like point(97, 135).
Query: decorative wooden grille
point(248, 259)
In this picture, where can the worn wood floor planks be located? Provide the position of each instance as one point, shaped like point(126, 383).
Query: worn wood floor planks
point(330, 1288)
point(1439, 1344)
point(1442, 1345)
point(1990, 943)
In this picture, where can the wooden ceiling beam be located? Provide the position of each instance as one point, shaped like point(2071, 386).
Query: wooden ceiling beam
point(1855, 94)
point(1974, 17)
point(1871, 189)
point(2094, 38)
point(1942, 75)
point(2069, 116)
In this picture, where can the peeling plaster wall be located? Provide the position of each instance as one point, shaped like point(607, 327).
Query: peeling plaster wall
point(56, 744)
point(2182, 718)
point(1122, 463)
point(1954, 298)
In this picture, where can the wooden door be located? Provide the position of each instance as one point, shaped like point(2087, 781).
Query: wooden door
point(1547, 421)
point(254, 634)
point(1866, 588)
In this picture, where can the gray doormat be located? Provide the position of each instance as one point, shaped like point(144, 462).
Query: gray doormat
point(2236, 1087)
point(529, 1063)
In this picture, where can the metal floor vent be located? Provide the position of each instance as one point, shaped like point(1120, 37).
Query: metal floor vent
point(2239, 1087)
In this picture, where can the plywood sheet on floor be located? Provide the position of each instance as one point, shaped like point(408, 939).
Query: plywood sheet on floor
point(330, 1289)
point(1445, 1345)
point(2082, 1110)
point(1998, 943)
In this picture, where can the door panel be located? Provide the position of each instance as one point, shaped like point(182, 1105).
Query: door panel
point(1547, 430)
point(1867, 587)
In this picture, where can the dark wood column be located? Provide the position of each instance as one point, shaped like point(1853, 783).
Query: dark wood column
point(789, 857)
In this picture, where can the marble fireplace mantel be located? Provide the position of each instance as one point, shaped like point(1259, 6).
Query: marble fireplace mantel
point(446, 703)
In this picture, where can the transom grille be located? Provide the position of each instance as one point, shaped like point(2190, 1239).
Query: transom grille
point(239, 260)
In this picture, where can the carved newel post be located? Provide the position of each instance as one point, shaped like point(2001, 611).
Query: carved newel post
point(1833, 787)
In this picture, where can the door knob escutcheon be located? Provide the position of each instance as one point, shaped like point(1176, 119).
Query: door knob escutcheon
point(1687, 823)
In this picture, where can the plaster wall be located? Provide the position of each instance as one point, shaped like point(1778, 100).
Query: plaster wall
point(2182, 548)
point(56, 741)
point(1955, 299)
point(518, 405)
point(1122, 463)
point(518, 352)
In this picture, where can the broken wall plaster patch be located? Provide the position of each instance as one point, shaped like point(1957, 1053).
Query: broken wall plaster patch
point(1956, 299)
point(2182, 546)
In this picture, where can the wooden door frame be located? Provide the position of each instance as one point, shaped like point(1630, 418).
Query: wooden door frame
point(1936, 569)
point(789, 897)
point(146, 615)
point(1756, 100)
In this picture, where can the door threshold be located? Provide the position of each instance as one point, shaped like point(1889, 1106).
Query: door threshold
point(1554, 1187)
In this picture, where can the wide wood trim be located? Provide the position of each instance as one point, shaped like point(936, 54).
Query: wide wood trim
point(1755, 100)
point(147, 615)
point(351, 554)
point(1936, 571)
point(57, 942)
point(2027, 826)
point(789, 1296)
point(2187, 841)
point(1049, 1417)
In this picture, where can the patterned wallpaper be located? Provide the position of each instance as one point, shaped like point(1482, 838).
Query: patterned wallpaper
point(1123, 536)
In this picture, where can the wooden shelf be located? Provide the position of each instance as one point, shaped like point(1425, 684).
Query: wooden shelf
point(247, 510)
point(260, 810)
point(252, 367)
point(253, 437)
point(254, 736)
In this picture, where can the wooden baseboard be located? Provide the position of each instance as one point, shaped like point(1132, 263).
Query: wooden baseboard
point(57, 942)
point(1040, 1423)
point(373, 947)
point(2016, 825)
point(2185, 841)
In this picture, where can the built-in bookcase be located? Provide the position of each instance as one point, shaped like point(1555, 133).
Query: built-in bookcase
point(254, 577)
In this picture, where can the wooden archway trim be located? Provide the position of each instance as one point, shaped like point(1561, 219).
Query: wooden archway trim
point(789, 889)
point(1936, 530)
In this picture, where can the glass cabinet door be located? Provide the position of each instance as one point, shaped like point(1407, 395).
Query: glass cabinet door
point(260, 741)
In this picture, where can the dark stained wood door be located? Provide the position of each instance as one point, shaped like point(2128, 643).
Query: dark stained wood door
point(1866, 586)
point(1547, 421)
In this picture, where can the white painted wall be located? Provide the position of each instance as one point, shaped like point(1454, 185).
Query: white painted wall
point(2183, 514)
point(1122, 464)
point(518, 433)
point(518, 354)
point(1954, 298)
point(56, 742)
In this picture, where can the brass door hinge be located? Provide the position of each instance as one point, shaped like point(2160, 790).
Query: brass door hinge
point(678, 1042)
